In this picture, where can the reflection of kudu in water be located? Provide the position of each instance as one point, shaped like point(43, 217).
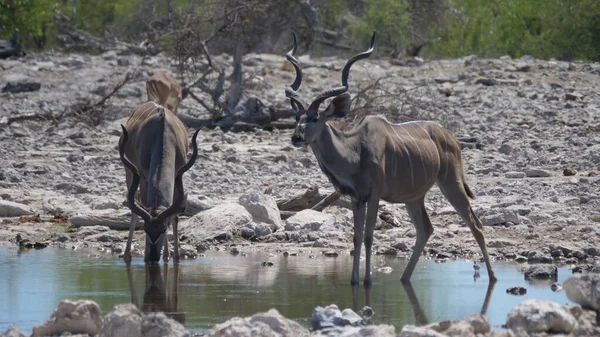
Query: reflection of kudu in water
point(377, 160)
point(158, 297)
point(421, 318)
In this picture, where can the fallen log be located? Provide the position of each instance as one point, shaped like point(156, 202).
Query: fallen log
point(313, 199)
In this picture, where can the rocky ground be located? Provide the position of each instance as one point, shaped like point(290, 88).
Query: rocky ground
point(534, 171)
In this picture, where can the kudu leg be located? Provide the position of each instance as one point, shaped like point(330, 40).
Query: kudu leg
point(127, 254)
point(372, 209)
point(460, 201)
point(418, 214)
point(174, 224)
point(359, 226)
point(166, 249)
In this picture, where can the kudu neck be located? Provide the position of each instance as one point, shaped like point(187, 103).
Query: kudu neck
point(336, 146)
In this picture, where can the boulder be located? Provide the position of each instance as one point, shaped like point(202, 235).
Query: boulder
point(263, 208)
point(331, 316)
point(541, 272)
point(584, 289)
point(533, 316)
point(501, 216)
point(416, 331)
point(467, 326)
point(126, 320)
point(308, 219)
point(196, 205)
point(221, 223)
point(110, 219)
point(382, 330)
point(78, 317)
point(266, 324)
point(13, 331)
point(10, 209)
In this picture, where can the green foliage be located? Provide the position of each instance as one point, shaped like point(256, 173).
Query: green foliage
point(542, 28)
point(389, 18)
point(32, 17)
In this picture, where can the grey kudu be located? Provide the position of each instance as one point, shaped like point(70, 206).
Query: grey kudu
point(153, 148)
point(377, 160)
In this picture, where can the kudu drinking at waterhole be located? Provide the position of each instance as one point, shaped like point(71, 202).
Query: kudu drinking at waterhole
point(377, 160)
point(153, 147)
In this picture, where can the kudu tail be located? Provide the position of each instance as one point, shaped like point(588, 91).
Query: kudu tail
point(469, 192)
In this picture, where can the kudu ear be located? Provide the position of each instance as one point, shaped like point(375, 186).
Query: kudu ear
point(339, 106)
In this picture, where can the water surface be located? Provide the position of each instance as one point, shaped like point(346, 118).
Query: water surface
point(217, 286)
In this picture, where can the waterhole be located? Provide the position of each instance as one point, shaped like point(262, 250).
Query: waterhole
point(218, 285)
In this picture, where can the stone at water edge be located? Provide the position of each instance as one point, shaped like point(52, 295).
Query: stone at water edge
point(541, 272)
point(584, 289)
point(533, 316)
point(13, 331)
point(263, 208)
point(82, 316)
point(417, 331)
point(270, 323)
point(11, 209)
point(331, 316)
point(126, 320)
point(308, 219)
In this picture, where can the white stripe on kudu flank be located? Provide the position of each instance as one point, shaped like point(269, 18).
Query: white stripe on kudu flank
point(416, 144)
point(408, 155)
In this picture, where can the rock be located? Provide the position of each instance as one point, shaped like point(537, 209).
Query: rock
point(382, 330)
point(11, 209)
point(479, 322)
point(23, 86)
point(263, 208)
point(414, 331)
point(308, 219)
point(78, 317)
point(220, 223)
point(556, 287)
point(517, 291)
point(584, 289)
point(573, 96)
point(487, 81)
point(535, 257)
point(541, 272)
point(13, 331)
point(266, 324)
point(331, 316)
point(157, 324)
point(125, 320)
point(515, 175)
point(592, 251)
point(533, 316)
point(569, 172)
point(501, 216)
point(196, 205)
point(537, 173)
point(109, 219)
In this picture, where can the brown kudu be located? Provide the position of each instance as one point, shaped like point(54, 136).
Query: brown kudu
point(153, 148)
point(378, 160)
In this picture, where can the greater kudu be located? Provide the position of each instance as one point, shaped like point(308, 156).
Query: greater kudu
point(377, 160)
point(164, 90)
point(153, 147)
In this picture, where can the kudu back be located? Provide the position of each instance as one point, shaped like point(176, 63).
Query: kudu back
point(153, 148)
point(377, 159)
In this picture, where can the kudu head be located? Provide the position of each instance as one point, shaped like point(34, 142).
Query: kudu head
point(155, 224)
point(310, 120)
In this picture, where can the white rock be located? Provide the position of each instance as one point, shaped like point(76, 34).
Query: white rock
point(308, 219)
point(124, 320)
point(263, 208)
point(584, 289)
point(75, 317)
point(10, 209)
point(331, 316)
point(113, 220)
point(534, 316)
point(266, 324)
point(381, 330)
point(13, 331)
point(196, 205)
point(515, 175)
point(220, 222)
point(500, 216)
point(414, 331)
